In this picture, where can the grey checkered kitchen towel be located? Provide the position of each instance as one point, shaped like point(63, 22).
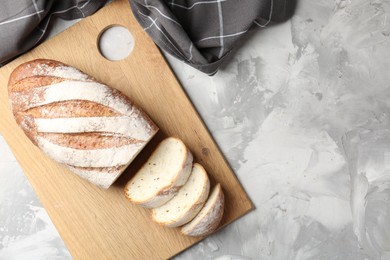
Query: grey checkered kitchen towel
point(24, 23)
point(200, 33)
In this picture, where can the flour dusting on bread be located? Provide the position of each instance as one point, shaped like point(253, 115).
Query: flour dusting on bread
point(59, 107)
point(65, 72)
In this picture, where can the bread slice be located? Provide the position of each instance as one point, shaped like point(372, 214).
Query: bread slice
point(209, 217)
point(161, 177)
point(188, 201)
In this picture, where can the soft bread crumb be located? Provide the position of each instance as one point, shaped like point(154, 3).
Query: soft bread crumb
point(188, 201)
point(160, 178)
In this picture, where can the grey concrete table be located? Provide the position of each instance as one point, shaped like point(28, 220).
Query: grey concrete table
point(302, 114)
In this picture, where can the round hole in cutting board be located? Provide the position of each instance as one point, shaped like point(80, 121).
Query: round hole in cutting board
point(115, 43)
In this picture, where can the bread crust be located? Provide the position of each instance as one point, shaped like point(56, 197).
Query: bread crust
point(30, 69)
point(51, 103)
point(210, 221)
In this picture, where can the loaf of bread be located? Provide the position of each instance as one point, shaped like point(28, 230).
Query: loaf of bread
point(188, 201)
point(209, 217)
point(95, 130)
point(163, 174)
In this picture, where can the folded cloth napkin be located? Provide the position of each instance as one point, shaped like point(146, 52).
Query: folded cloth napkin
point(202, 33)
point(24, 23)
point(199, 32)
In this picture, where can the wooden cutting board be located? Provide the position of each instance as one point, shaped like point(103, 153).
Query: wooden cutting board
point(102, 224)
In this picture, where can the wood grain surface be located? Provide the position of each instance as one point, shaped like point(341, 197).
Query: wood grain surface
point(101, 224)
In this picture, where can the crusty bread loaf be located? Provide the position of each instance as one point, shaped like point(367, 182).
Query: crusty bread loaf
point(93, 129)
point(161, 177)
point(209, 217)
point(188, 201)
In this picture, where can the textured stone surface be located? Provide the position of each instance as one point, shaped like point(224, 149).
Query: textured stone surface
point(302, 114)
